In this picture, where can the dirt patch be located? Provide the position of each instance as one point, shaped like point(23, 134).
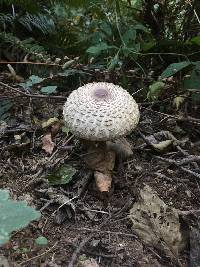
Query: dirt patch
point(92, 226)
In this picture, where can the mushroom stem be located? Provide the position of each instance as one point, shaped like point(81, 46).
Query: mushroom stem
point(102, 161)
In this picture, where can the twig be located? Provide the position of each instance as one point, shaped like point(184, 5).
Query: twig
point(163, 176)
point(171, 161)
point(30, 95)
point(188, 160)
point(38, 256)
point(197, 175)
point(104, 232)
point(78, 250)
point(30, 63)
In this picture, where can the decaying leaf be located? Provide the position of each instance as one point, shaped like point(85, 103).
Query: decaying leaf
point(177, 101)
point(156, 223)
point(162, 145)
point(49, 122)
point(47, 143)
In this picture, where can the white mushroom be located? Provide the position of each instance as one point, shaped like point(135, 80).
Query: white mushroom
point(101, 112)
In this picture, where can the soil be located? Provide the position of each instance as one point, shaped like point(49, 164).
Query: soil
point(92, 225)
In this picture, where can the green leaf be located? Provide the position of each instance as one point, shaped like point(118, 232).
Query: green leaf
point(155, 90)
point(174, 68)
point(129, 35)
point(26, 85)
point(41, 241)
point(192, 82)
point(97, 49)
point(137, 4)
point(113, 63)
point(48, 89)
point(196, 97)
point(105, 27)
point(61, 176)
point(195, 40)
point(14, 215)
point(35, 79)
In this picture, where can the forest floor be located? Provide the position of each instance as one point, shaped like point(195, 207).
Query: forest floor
point(91, 230)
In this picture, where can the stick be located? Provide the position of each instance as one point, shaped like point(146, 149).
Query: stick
point(30, 95)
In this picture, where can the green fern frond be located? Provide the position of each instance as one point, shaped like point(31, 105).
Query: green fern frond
point(27, 5)
point(25, 47)
point(41, 22)
point(5, 19)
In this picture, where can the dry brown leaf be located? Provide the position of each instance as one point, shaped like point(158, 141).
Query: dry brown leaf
point(103, 181)
point(156, 223)
point(162, 145)
point(47, 143)
point(55, 128)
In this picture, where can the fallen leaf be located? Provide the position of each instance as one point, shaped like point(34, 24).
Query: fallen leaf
point(162, 145)
point(178, 100)
point(55, 128)
point(49, 122)
point(156, 223)
point(47, 143)
point(63, 175)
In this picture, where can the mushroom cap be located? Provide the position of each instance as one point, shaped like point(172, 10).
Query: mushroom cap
point(100, 111)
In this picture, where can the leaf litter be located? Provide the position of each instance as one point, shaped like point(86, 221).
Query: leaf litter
point(65, 207)
point(156, 223)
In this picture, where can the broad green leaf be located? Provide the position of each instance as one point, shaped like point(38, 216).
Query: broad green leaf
point(147, 45)
point(26, 85)
point(14, 215)
point(105, 27)
point(97, 49)
point(155, 90)
point(192, 82)
point(48, 89)
point(41, 241)
point(35, 79)
point(61, 176)
point(141, 27)
point(195, 40)
point(129, 35)
point(174, 68)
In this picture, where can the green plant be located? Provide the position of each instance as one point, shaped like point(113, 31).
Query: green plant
point(14, 215)
point(191, 76)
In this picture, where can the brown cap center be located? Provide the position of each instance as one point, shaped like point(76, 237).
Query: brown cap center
point(101, 93)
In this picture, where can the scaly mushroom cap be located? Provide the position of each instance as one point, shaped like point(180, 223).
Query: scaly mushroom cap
point(100, 111)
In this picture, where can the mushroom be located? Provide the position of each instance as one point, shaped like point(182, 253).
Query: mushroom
point(99, 113)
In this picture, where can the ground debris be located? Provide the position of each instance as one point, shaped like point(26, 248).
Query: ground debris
point(157, 224)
